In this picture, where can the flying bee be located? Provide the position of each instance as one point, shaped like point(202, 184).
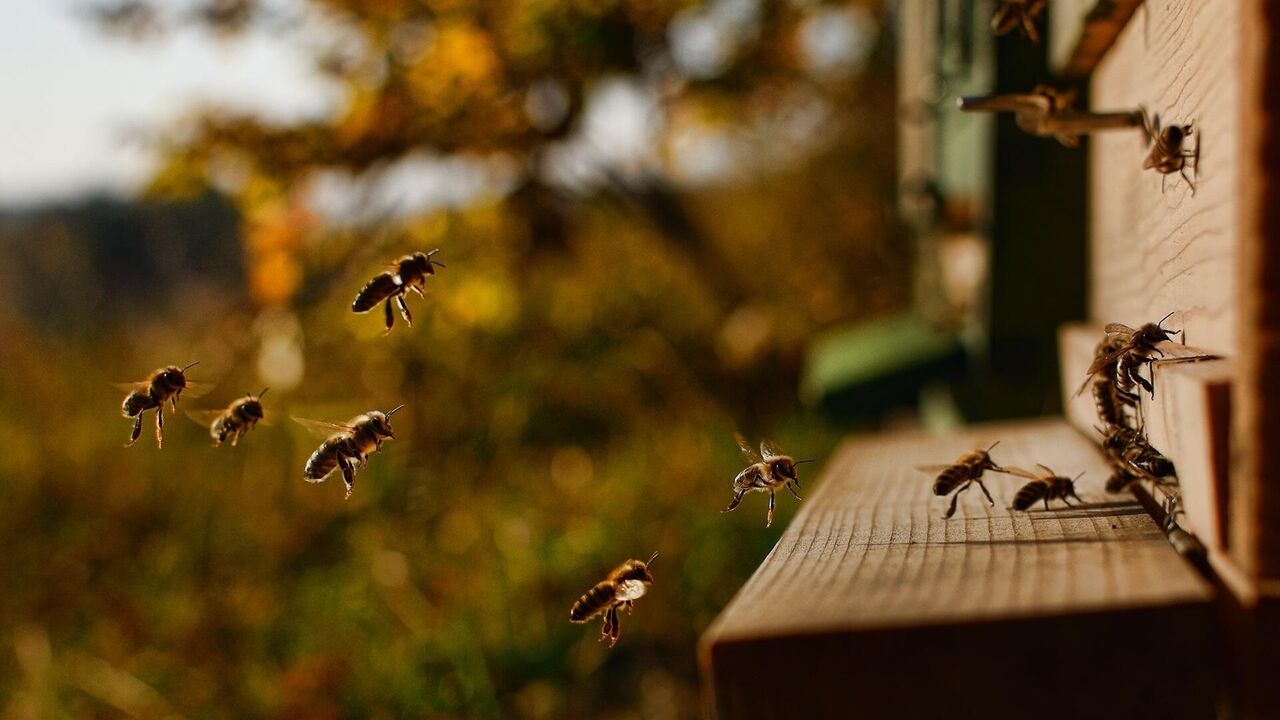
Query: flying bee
point(348, 445)
point(409, 273)
point(1018, 14)
point(1046, 485)
point(770, 470)
point(163, 385)
point(1047, 112)
point(1168, 154)
point(965, 471)
point(233, 422)
point(620, 589)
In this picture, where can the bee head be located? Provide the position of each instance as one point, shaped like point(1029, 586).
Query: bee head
point(1174, 134)
point(1156, 332)
point(381, 422)
point(984, 458)
point(175, 377)
point(637, 570)
point(423, 263)
point(784, 467)
point(252, 408)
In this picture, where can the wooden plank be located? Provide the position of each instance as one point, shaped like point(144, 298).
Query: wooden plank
point(871, 605)
point(1153, 251)
point(1083, 32)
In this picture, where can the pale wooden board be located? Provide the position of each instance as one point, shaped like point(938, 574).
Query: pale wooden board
point(1152, 253)
point(1187, 421)
point(869, 556)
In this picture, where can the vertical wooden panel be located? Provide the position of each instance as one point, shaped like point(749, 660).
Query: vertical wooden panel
point(1154, 251)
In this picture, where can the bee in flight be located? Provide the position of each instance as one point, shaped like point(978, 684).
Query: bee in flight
point(410, 273)
point(1018, 14)
point(233, 422)
point(1045, 485)
point(1130, 349)
point(347, 446)
point(163, 385)
point(965, 471)
point(770, 470)
point(621, 588)
point(1168, 153)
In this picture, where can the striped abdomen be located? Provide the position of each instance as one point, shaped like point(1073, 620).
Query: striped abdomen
point(381, 287)
point(325, 459)
point(1112, 402)
point(594, 601)
point(1030, 494)
point(950, 479)
point(137, 401)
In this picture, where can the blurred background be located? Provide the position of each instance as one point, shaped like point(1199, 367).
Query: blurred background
point(663, 221)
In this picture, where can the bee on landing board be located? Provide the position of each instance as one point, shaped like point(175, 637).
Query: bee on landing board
point(1168, 153)
point(958, 476)
point(770, 470)
point(410, 273)
point(620, 589)
point(347, 446)
point(1018, 14)
point(233, 422)
point(163, 385)
point(1132, 349)
point(1045, 485)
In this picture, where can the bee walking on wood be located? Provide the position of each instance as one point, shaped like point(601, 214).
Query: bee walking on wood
point(628, 582)
point(1133, 459)
point(1168, 153)
point(1018, 14)
point(1046, 112)
point(233, 422)
point(347, 446)
point(770, 470)
point(965, 471)
point(1046, 486)
point(1132, 349)
point(163, 385)
point(410, 273)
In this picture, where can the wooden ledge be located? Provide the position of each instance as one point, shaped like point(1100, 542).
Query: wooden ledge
point(872, 605)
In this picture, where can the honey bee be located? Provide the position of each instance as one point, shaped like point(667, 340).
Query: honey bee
point(163, 385)
point(348, 445)
point(1046, 485)
point(965, 471)
point(410, 273)
point(1020, 14)
point(1130, 349)
point(620, 589)
point(1047, 112)
point(770, 470)
point(233, 422)
point(1168, 154)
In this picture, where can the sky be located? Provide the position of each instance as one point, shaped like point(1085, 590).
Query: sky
point(73, 100)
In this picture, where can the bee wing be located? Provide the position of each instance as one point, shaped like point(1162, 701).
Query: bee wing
point(1021, 473)
point(1102, 361)
point(747, 450)
point(1118, 328)
point(322, 428)
point(204, 417)
point(932, 468)
point(131, 386)
point(195, 390)
point(769, 450)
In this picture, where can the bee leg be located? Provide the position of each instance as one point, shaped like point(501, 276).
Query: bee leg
point(418, 290)
point(951, 509)
point(388, 317)
point(137, 431)
point(404, 310)
point(1189, 183)
point(1046, 503)
point(617, 629)
point(983, 488)
point(737, 498)
point(793, 491)
point(160, 426)
point(348, 475)
point(1077, 497)
point(772, 501)
point(606, 629)
point(631, 606)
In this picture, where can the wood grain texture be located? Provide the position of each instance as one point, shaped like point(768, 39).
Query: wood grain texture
point(1083, 31)
point(1153, 251)
point(872, 605)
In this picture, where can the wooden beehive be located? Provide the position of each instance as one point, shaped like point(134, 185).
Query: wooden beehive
point(870, 605)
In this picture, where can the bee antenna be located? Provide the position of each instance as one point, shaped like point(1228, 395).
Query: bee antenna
point(801, 462)
point(437, 262)
point(652, 557)
point(1166, 317)
point(993, 445)
point(395, 410)
point(433, 252)
point(264, 391)
point(1077, 477)
point(190, 366)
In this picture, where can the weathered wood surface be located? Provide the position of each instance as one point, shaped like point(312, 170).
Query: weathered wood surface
point(872, 605)
point(1153, 251)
